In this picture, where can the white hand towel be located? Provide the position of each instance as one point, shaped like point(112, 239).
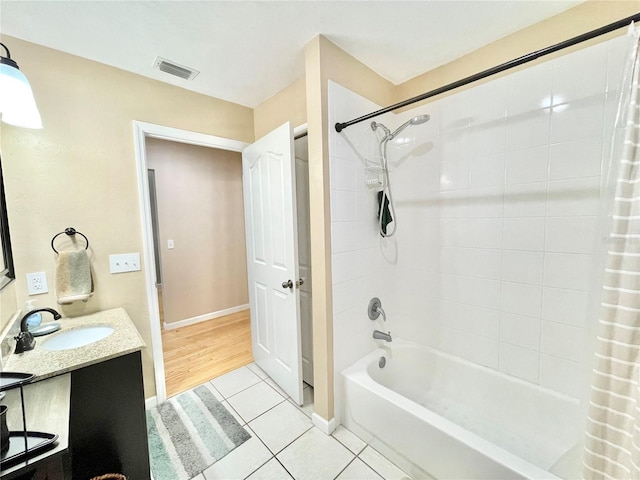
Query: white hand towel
point(73, 277)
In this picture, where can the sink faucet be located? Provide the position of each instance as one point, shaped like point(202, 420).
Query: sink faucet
point(378, 335)
point(25, 340)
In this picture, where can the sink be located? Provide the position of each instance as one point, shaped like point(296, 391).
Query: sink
point(77, 337)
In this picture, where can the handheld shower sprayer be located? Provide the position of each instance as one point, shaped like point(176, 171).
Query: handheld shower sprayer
point(386, 184)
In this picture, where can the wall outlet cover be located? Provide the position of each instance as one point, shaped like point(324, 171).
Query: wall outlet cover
point(37, 283)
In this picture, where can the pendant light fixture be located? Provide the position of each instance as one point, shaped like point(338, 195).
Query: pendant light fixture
point(17, 105)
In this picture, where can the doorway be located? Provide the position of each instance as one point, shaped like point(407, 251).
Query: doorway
point(144, 131)
point(199, 245)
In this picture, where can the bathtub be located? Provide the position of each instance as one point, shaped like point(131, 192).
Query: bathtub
point(436, 415)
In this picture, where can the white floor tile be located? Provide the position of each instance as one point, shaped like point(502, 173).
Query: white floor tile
point(235, 381)
point(276, 387)
point(257, 370)
point(315, 456)
point(272, 470)
point(358, 470)
point(349, 440)
point(241, 462)
point(382, 465)
point(230, 409)
point(280, 426)
point(255, 400)
point(307, 406)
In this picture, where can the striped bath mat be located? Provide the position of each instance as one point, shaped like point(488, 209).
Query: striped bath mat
point(190, 432)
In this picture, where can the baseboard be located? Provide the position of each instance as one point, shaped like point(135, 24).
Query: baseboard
point(203, 318)
point(151, 402)
point(326, 426)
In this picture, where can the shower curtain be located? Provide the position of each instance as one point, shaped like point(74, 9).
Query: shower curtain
point(612, 442)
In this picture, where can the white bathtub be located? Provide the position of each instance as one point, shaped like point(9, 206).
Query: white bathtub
point(437, 415)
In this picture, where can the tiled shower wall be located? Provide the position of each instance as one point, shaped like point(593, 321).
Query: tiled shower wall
point(497, 203)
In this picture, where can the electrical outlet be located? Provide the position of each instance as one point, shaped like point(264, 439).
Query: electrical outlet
point(37, 283)
point(170, 244)
point(124, 262)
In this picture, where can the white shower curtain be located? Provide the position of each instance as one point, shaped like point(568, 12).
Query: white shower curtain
point(612, 443)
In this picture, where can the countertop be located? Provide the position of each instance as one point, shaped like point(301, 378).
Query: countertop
point(47, 406)
point(44, 363)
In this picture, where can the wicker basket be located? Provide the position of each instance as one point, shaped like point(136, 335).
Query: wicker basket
point(110, 476)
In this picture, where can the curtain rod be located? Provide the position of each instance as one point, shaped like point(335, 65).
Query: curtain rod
point(497, 69)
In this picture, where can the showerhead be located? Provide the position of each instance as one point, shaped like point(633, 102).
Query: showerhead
point(417, 120)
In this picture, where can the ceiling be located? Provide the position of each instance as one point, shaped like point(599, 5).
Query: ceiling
point(246, 51)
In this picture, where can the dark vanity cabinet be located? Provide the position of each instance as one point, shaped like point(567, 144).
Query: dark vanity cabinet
point(107, 425)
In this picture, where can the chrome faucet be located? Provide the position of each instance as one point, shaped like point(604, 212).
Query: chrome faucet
point(25, 340)
point(378, 335)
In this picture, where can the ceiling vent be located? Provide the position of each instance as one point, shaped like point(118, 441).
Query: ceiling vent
point(172, 68)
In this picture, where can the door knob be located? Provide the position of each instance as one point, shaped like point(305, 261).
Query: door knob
point(287, 284)
point(300, 282)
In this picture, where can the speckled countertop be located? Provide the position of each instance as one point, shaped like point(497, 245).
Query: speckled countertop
point(43, 363)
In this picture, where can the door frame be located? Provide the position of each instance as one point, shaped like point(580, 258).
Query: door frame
point(142, 131)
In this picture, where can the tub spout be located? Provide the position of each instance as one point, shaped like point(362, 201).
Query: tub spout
point(378, 335)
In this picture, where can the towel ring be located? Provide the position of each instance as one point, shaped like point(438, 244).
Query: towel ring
point(69, 231)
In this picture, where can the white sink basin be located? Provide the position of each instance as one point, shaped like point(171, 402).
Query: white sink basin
point(78, 337)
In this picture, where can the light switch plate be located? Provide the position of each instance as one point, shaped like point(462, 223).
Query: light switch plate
point(37, 283)
point(124, 262)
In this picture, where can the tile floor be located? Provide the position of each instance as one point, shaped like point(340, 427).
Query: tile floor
point(284, 444)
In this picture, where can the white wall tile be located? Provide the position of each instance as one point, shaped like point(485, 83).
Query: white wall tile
point(561, 375)
point(525, 200)
point(343, 173)
point(578, 158)
point(529, 90)
point(486, 202)
point(580, 75)
point(571, 234)
point(564, 306)
point(564, 341)
point(483, 233)
point(343, 206)
point(574, 197)
point(522, 266)
point(487, 171)
point(344, 266)
point(519, 362)
point(497, 198)
point(528, 129)
point(521, 299)
point(571, 271)
point(521, 331)
point(523, 234)
point(343, 237)
point(527, 165)
point(579, 119)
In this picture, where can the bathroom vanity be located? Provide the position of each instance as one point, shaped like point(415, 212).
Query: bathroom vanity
point(105, 415)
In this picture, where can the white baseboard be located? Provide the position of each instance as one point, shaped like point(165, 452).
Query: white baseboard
point(202, 318)
point(326, 426)
point(151, 402)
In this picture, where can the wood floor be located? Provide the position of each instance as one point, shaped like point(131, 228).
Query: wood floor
point(197, 353)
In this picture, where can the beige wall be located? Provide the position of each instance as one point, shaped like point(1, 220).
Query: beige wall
point(324, 62)
point(80, 170)
point(8, 305)
point(288, 105)
point(200, 207)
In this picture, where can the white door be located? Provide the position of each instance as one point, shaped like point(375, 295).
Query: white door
point(272, 258)
point(304, 256)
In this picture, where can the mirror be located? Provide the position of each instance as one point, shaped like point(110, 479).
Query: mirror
point(7, 273)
